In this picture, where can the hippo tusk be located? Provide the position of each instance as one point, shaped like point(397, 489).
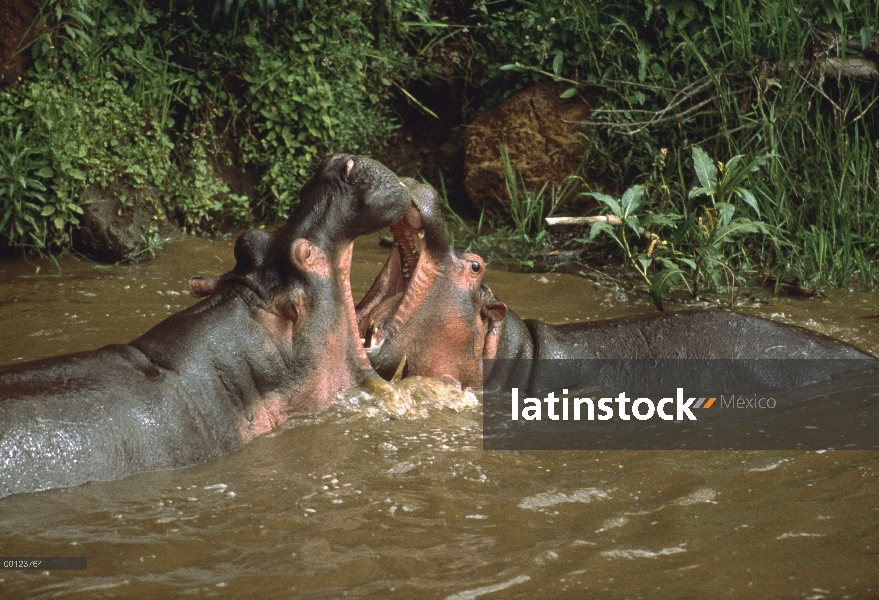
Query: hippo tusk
point(398, 375)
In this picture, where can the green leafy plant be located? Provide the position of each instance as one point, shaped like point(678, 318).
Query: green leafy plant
point(691, 246)
point(134, 95)
point(624, 213)
point(29, 217)
point(528, 235)
point(312, 92)
point(735, 78)
point(522, 237)
point(528, 210)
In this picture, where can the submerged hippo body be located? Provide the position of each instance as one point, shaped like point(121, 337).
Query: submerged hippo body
point(431, 306)
point(275, 337)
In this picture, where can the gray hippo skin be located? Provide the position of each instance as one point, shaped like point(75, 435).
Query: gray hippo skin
point(276, 337)
point(430, 305)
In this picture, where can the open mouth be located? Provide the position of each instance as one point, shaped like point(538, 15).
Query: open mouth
point(397, 282)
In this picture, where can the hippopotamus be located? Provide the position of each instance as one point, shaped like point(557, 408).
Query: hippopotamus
point(276, 336)
point(430, 307)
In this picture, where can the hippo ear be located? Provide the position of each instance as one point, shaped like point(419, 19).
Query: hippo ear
point(495, 311)
point(492, 308)
point(251, 248)
point(309, 258)
point(200, 286)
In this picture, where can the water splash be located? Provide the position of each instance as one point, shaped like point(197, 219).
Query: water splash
point(410, 398)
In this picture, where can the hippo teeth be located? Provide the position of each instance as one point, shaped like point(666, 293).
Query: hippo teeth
point(367, 341)
point(373, 336)
point(409, 253)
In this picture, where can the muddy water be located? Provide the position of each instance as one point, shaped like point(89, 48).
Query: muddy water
point(353, 504)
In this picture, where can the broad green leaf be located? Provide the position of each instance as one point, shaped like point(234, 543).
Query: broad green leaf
point(684, 228)
point(558, 62)
point(250, 41)
point(568, 93)
point(663, 283)
point(633, 224)
point(726, 211)
point(709, 252)
point(643, 62)
point(749, 199)
point(602, 228)
point(701, 191)
point(738, 228)
point(608, 201)
point(603, 198)
point(631, 200)
point(732, 165)
point(47, 211)
point(706, 171)
point(689, 262)
point(660, 219)
point(77, 174)
point(44, 172)
point(81, 16)
point(714, 274)
point(637, 98)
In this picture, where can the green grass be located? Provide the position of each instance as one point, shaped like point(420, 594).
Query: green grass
point(734, 77)
point(154, 94)
point(148, 94)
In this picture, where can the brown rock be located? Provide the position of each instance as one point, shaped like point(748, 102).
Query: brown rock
point(542, 146)
point(118, 222)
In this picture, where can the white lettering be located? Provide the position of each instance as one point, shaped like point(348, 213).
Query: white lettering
point(606, 410)
point(650, 409)
point(662, 414)
point(621, 401)
point(515, 403)
point(684, 408)
point(531, 413)
point(551, 401)
point(589, 403)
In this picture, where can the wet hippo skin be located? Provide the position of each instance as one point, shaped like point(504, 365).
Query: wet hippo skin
point(275, 336)
point(430, 305)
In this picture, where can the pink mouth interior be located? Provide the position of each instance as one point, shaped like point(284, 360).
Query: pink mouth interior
point(390, 288)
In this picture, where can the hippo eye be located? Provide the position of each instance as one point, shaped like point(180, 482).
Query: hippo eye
point(475, 266)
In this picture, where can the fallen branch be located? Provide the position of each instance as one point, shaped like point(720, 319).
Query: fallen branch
point(862, 69)
point(609, 219)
